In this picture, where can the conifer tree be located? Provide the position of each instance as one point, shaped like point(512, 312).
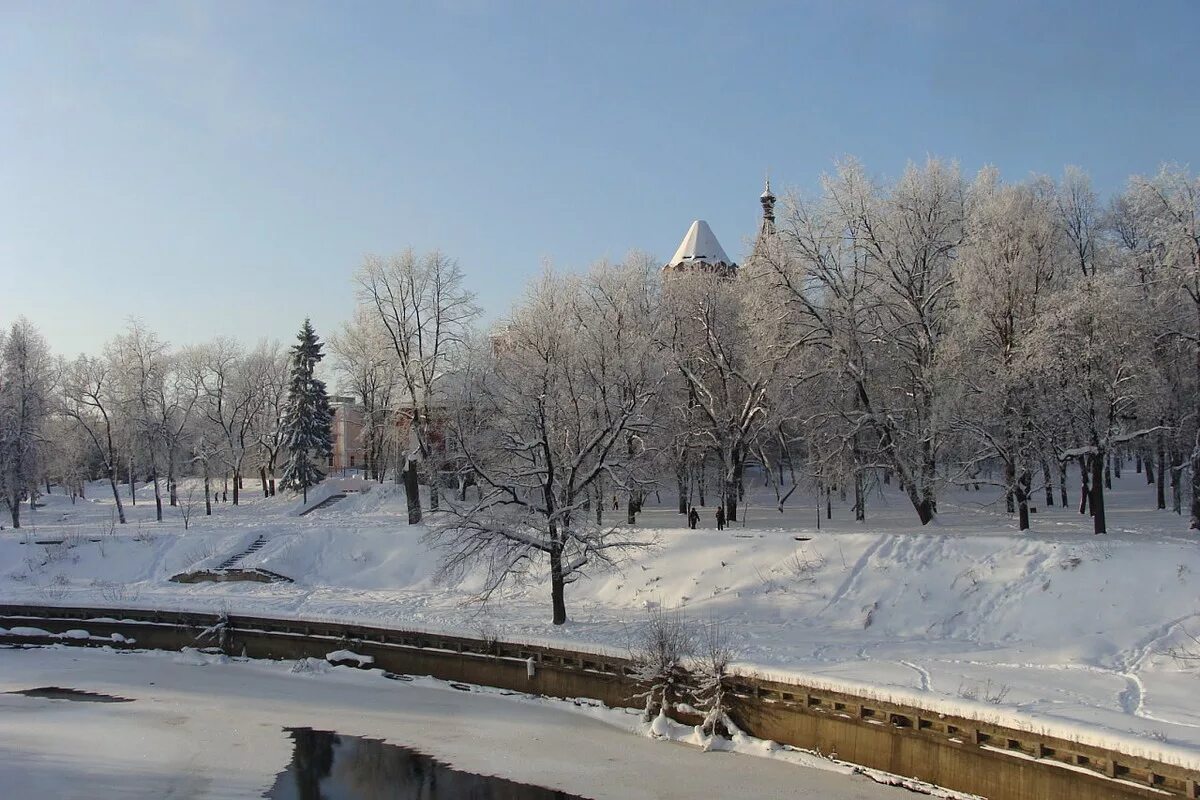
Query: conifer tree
point(308, 419)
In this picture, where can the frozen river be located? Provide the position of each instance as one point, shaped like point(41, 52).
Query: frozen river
point(192, 727)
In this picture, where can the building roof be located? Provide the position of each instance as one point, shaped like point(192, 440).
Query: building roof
point(700, 246)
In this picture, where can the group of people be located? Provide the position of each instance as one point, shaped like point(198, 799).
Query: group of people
point(694, 518)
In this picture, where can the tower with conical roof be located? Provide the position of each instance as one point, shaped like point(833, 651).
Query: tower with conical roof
point(701, 252)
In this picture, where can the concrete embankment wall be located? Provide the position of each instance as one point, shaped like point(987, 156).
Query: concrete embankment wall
point(955, 752)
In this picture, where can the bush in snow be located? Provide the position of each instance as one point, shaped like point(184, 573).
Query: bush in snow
point(716, 649)
point(660, 651)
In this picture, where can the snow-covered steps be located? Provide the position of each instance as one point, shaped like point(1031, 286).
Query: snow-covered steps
point(328, 501)
point(233, 560)
point(229, 569)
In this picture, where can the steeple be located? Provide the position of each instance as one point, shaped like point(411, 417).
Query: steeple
point(768, 206)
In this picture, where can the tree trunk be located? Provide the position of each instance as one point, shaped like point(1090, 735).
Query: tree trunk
point(1176, 483)
point(1062, 484)
point(157, 492)
point(435, 495)
point(207, 493)
point(1022, 508)
point(557, 585)
point(112, 481)
point(731, 500)
point(1098, 521)
point(1108, 472)
point(412, 492)
point(1085, 492)
point(1049, 484)
point(1160, 480)
point(262, 478)
point(681, 481)
point(237, 484)
point(15, 508)
point(1194, 523)
point(860, 498)
point(132, 483)
point(1149, 462)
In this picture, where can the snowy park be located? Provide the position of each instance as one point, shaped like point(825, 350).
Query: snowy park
point(566, 401)
point(1049, 629)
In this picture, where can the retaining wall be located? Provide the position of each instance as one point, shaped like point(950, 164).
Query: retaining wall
point(955, 752)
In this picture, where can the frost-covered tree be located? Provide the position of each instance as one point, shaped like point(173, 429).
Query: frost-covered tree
point(1168, 204)
point(1004, 276)
point(867, 271)
point(546, 412)
point(89, 397)
point(25, 383)
point(273, 370)
point(426, 315)
point(157, 399)
point(367, 367)
point(307, 417)
point(727, 352)
point(231, 399)
point(1101, 358)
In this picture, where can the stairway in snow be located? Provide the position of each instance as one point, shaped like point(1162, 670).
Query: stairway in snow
point(328, 501)
point(228, 570)
point(233, 560)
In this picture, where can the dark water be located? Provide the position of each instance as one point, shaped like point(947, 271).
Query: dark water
point(330, 766)
point(59, 693)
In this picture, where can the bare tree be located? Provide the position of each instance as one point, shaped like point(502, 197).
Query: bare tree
point(1170, 203)
point(25, 383)
point(1005, 274)
point(427, 314)
point(232, 385)
point(1109, 371)
point(539, 431)
point(88, 397)
point(186, 506)
point(366, 365)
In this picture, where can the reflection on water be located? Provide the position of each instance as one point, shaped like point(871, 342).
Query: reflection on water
point(330, 766)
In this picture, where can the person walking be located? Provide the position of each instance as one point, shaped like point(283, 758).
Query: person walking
point(720, 518)
point(693, 518)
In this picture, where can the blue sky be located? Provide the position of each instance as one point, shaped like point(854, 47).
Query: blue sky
point(221, 168)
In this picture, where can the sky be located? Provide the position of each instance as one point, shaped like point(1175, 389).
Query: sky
point(223, 168)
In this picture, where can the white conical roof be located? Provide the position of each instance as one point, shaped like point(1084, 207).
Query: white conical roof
point(700, 246)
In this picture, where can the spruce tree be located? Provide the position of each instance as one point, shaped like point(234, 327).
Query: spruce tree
point(307, 417)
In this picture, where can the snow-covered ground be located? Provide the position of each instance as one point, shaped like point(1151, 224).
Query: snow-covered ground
point(1053, 627)
point(200, 726)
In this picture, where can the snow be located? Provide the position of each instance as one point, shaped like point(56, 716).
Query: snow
point(349, 655)
point(214, 727)
point(1052, 631)
point(700, 245)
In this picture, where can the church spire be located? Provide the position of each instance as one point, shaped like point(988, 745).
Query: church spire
point(768, 206)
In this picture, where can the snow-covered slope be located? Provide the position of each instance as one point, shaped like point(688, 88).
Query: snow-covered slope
point(1056, 624)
